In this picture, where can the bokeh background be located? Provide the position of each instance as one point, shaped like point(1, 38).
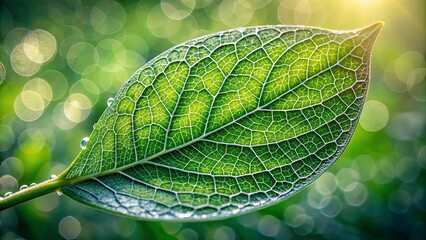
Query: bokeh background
point(61, 60)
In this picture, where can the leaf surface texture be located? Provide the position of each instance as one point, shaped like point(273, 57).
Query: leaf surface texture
point(226, 123)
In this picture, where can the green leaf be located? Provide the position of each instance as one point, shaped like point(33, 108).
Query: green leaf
point(226, 123)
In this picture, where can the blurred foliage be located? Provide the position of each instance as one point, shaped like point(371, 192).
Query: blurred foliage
point(61, 60)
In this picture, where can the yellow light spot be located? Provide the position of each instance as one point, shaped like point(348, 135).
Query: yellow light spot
point(363, 2)
point(40, 46)
point(32, 100)
point(14, 38)
point(374, 116)
point(59, 118)
point(42, 88)
point(29, 106)
point(77, 107)
point(407, 63)
point(20, 62)
point(177, 10)
point(33, 53)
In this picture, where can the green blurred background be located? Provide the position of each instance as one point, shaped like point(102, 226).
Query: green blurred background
point(61, 60)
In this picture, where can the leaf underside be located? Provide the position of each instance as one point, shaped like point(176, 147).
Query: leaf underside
point(226, 123)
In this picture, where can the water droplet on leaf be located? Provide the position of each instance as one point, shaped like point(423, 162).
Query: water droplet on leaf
point(33, 184)
point(83, 142)
point(59, 193)
point(23, 187)
point(8, 194)
point(52, 176)
point(109, 102)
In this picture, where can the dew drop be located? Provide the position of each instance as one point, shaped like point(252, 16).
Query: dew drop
point(109, 101)
point(23, 187)
point(59, 193)
point(1, 198)
point(53, 176)
point(33, 184)
point(83, 142)
point(8, 194)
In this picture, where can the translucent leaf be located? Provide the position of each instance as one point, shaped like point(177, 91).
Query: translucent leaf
point(226, 123)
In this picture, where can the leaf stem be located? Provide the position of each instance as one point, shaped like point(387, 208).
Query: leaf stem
point(32, 192)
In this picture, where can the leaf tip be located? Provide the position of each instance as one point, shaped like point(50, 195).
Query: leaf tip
point(372, 30)
point(378, 24)
point(370, 33)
